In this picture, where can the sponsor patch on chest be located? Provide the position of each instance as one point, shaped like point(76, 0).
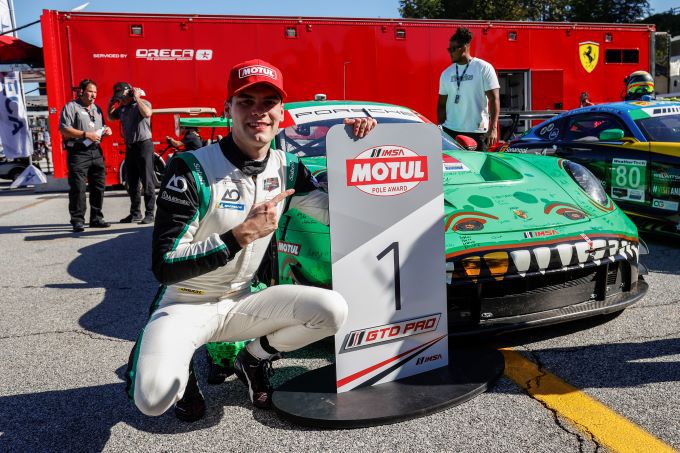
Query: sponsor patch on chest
point(231, 191)
point(270, 184)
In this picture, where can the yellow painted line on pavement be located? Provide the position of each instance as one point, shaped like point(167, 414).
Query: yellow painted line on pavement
point(607, 427)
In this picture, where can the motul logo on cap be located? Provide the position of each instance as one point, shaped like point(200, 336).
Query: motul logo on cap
point(256, 71)
point(386, 170)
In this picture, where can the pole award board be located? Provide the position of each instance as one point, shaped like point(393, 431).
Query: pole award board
point(387, 251)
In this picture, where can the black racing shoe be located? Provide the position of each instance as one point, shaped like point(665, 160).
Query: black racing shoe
point(191, 407)
point(218, 373)
point(78, 227)
point(255, 373)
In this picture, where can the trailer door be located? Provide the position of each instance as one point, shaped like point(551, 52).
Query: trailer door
point(547, 89)
point(514, 97)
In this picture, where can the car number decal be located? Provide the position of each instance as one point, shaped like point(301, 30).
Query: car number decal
point(629, 180)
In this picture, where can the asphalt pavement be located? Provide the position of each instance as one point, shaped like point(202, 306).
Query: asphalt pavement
point(72, 305)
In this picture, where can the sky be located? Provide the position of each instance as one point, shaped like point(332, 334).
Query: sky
point(26, 11)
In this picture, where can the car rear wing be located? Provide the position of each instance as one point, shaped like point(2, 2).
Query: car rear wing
point(515, 116)
point(179, 113)
point(217, 121)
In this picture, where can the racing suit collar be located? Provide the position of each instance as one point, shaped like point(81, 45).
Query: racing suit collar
point(234, 155)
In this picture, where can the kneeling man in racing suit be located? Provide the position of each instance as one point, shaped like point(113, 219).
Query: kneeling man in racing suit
point(217, 210)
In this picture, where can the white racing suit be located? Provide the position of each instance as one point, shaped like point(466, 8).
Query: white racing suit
point(205, 275)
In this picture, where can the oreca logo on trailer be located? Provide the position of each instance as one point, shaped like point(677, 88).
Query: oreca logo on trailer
point(174, 54)
point(386, 170)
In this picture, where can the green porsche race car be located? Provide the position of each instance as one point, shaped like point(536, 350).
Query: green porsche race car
point(530, 240)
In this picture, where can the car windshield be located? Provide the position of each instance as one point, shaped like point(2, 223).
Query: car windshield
point(309, 139)
point(664, 128)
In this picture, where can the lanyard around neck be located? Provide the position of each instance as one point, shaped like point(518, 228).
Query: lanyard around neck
point(460, 78)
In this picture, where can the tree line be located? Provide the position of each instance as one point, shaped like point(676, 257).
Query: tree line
point(610, 11)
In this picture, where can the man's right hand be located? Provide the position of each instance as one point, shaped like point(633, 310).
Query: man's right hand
point(93, 136)
point(263, 219)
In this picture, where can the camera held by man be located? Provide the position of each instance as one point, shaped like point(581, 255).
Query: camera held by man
point(123, 94)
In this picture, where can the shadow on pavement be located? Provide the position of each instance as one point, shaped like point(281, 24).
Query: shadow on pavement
point(120, 265)
point(662, 257)
point(81, 419)
point(608, 365)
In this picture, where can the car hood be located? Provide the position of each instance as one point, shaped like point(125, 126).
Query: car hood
point(509, 207)
point(497, 193)
point(494, 193)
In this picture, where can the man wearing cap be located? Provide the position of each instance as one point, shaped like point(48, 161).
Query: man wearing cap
point(217, 210)
point(134, 114)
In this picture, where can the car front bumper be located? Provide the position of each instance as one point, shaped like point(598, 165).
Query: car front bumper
point(494, 306)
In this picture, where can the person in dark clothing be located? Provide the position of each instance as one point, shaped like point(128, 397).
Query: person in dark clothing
point(191, 140)
point(82, 126)
point(134, 114)
point(584, 100)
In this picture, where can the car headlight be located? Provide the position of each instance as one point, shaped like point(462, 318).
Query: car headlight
point(587, 181)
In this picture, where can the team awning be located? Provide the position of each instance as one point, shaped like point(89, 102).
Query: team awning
point(14, 51)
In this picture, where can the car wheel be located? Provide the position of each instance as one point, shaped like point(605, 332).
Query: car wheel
point(122, 178)
point(158, 169)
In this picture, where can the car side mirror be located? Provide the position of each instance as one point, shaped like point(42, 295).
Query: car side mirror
point(611, 135)
point(466, 142)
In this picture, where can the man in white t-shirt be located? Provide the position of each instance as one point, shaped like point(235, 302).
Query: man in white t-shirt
point(468, 94)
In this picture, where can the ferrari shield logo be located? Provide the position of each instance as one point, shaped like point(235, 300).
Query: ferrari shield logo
point(589, 53)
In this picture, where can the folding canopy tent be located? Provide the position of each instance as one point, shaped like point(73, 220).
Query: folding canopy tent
point(14, 51)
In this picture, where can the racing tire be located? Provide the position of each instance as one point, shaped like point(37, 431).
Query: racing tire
point(159, 166)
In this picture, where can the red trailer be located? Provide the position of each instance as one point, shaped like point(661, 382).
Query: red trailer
point(182, 60)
